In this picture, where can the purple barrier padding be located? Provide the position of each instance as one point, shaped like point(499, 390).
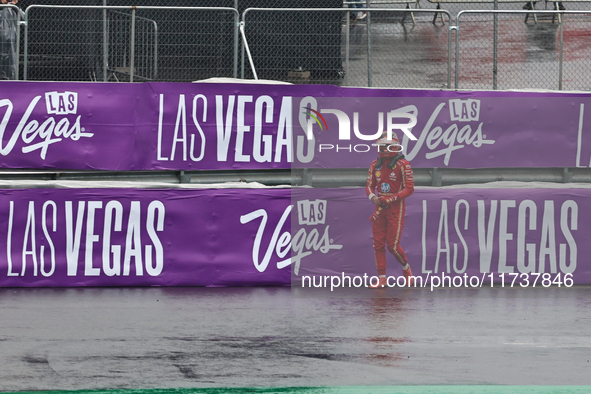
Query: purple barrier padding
point(184, 126)
point(131, 237)
point(140, 237)
point(456, 232)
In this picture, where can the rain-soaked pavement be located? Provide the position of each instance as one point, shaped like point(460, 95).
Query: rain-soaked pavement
point(404, 54)
point(98, 338)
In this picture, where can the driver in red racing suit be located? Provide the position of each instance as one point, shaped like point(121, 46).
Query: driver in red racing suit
point(389, 182)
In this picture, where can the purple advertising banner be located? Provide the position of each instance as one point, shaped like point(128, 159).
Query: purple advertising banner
point(489, 234)
point(228, 237)
point(209, 126)
point(136, 237)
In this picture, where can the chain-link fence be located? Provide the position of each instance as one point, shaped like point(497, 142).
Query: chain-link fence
point(97, 43)
point(398, 48)
point(497, 50)
point(119, 29)
point(295, 45)
point(388, 48)
point(383, 47)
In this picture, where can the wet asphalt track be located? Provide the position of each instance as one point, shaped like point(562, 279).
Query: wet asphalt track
point(142, 338)
point(118, 338)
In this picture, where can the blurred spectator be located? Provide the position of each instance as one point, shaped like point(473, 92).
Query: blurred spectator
point(8, 34)
point(357, 15)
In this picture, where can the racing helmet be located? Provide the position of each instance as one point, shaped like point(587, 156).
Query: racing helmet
point(388, 147)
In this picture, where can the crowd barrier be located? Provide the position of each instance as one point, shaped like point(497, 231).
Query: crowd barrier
point(113, 43)
point(357, 44)
point(227, 237)
point(492, 49)
point(212, 126)
point(66, 233)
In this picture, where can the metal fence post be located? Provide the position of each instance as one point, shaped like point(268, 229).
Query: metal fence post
point(155, 50)
point(132, 46)
point(105, 42)
point(369, 65)
point(448, 51)
point(18, 41)
point(457, 29)
point(347, 46)
point(560, 64)
point(236, 38)
point(26, 54)
point(495, 44)
point(241, 32)
point(245, 45)
point(236, 41)
point(242, 63)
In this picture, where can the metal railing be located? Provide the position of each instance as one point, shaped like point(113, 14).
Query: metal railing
point(340, 48)
point(315, 177)
point(123, 32)
point(74, 42)
point(400, 48)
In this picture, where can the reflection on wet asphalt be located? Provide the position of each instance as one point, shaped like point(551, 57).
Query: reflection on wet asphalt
point(98, 338)
point(407, 55)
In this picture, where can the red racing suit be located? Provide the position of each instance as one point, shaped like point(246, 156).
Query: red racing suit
point(392, 186)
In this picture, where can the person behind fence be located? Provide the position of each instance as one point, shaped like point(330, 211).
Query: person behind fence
point(389, 183)
point(356, 15)
point(530, 5)
point(8, 40)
